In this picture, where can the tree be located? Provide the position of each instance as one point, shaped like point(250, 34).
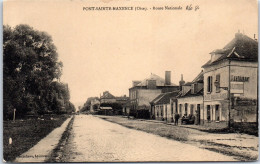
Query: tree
point(86, 106)
point(58, 97)
point(30, 64)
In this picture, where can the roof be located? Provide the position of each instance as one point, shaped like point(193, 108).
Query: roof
point(159, 81)
point(165, 97)
point(107, 95)
point(240, 48)
point(199, 78)
point(189, 94)
point(187, 84)
point(124, 98)
point(157, 98)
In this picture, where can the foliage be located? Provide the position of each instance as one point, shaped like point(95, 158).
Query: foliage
point(86, 106)
point(30, 67)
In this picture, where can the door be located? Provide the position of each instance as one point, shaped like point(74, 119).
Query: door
point(208, 113)
point(217, 112)
point(198, 114)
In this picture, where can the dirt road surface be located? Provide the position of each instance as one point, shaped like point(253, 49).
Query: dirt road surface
point(92, 139)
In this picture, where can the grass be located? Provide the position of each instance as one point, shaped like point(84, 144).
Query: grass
point(57, 153)
point(246, 128)
point(26, 133)
point(164, 130)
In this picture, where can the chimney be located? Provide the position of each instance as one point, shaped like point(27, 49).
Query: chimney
point(167, 77)
point(181, 82)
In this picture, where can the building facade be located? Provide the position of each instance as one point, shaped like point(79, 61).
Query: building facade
point(163, 108)
point(143, 92)
point(190, 100)
point(230, 82)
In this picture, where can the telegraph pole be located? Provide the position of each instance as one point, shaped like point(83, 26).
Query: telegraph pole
point(229, 95)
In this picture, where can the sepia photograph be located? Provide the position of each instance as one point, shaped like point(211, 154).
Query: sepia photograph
point(130, 81)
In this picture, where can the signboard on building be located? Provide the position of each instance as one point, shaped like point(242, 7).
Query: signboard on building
point(239, 78)
point(217, 96)
point(237, 87)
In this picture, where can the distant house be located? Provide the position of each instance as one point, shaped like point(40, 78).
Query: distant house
point(106, 110)
point(230, 82)
point(116, 103)
point(107, 97)
point(190, 99)
point(162, 108)
point(143, 92)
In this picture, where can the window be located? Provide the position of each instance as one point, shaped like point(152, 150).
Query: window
point(209, 84)
point(194, 88)
point(171, 108)
point(217, 113)
point(218, 80)
point(186, 108)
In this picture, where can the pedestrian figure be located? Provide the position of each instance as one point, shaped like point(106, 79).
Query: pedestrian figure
point(176, 118)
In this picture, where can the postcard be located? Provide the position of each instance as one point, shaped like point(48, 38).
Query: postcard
point(130, 81)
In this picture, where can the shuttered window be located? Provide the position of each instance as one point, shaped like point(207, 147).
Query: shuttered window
point(209, 84)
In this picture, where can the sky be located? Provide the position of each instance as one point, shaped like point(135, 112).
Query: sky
point(107, 50)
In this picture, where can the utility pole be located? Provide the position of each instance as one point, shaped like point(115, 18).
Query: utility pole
point(229, 95)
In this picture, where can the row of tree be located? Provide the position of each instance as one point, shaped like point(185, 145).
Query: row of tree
point(86, 106)
point(31, 73)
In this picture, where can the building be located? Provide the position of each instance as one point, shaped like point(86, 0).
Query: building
point(143, 92)
point(122, 99)
point(162, 108)
point(116, 103)
point(106, 110)
point(190, 99)
point(126, 108)
point(230, 82)
point(107, 97)
point(94, 105)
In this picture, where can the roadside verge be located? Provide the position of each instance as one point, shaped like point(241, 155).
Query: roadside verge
point(42, 150)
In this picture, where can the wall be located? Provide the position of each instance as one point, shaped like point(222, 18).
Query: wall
point(194, 100)
point(191, 101)
point(145, 96)
point(246, 69)
point(163, 112)
point(159, 112)
point(223, 111)
point(221, 98)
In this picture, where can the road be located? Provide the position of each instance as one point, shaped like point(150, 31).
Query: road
point(95, 140)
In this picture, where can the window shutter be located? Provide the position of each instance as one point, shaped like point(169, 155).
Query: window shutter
point(210, 83)
point(218, 79)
